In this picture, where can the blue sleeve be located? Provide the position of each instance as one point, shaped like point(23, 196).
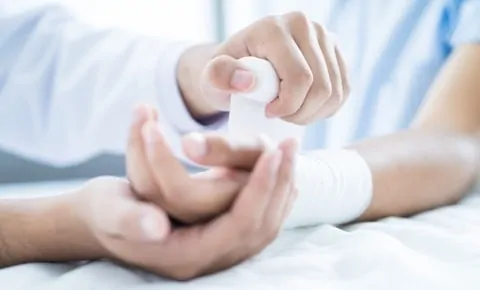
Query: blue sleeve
point(467, 24)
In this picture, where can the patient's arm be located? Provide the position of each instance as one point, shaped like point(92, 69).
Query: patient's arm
point(43, 229)
point(436, 160)
point(418, 170)
point(431, 164)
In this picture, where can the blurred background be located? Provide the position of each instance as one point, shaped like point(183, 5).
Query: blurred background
point(192, 20)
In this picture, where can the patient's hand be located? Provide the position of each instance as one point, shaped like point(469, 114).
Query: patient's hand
point(157, 176)
point(129, 229)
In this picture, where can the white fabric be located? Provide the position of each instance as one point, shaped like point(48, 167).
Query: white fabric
point(334, 187)
point(67, 89)
point(436, 250)
point(247, 110)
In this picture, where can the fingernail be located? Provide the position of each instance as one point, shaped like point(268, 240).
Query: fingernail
point(242, 79)
point(151, 228)
point(196, 144)
point(276, 160)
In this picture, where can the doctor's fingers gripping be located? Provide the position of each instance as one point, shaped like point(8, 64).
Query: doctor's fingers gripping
point(308, 71)
point(330, 86)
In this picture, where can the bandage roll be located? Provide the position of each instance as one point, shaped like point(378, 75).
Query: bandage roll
point(334, 186)
point(247, 117)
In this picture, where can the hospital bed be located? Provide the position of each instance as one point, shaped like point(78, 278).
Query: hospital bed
point(439, 249)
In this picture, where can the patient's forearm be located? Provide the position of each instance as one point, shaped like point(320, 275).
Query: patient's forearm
point(43, 230)
point(418, 170)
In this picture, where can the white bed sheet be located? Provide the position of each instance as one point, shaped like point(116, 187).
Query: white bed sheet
point(435, 250)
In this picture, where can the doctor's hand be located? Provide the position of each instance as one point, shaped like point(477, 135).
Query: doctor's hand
point(132, 230)
point(157, 176)
point(312, 72)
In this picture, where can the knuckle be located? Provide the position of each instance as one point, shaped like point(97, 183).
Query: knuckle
point(326, 88)
point(299, 19)
point(273, 22)
point(303, 76)
point(321, 31)
point(320, 92)
point(273, 27)
point(216, 69)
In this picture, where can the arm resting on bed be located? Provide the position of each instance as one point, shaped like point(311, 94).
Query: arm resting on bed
point(437, 159)
point(43, 230)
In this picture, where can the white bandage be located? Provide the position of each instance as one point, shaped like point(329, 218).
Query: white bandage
point(334, 186)
point(247, 110)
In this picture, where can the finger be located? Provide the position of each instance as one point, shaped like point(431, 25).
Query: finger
point(218, 150)
point(337, 76)
point(277, 46)
point(228, 74)
point(222, 173)
point(143, 222)
point(188, 200)
point(305, 35)
point(253, 200)
point(168, 173)
point(332, 106)
point(222, 76)
point(283, 188)
point(226, 241)
point(342, 65)
point(136, 164)
point(290, 203)
point(130, 219)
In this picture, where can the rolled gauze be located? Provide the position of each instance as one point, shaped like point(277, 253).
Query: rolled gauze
point(334, 186)
point(247, 110)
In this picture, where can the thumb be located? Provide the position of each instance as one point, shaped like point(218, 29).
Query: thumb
point(130, 219)
point(228, 74)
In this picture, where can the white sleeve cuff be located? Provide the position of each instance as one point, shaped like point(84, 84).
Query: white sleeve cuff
point(171, 100)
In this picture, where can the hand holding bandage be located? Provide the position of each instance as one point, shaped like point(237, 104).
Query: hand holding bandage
point(334, 185)
point(313, 84)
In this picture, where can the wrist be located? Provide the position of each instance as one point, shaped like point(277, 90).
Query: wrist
point(335, 187)
point(76, 203)
point(189, 70)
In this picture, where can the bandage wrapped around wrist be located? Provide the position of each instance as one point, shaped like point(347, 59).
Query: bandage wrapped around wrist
point(334, 186)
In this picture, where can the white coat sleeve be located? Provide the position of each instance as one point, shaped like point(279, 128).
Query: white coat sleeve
point(67, 90)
